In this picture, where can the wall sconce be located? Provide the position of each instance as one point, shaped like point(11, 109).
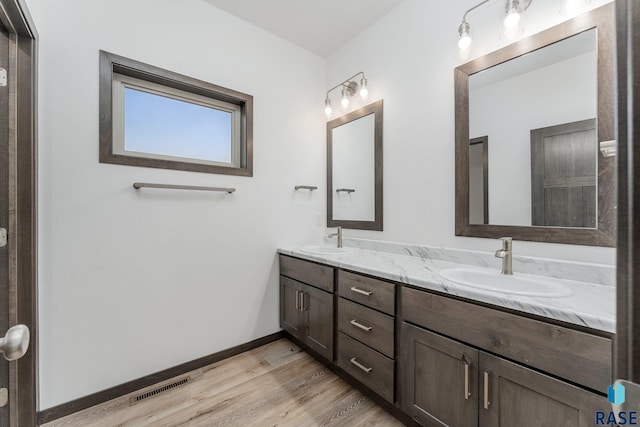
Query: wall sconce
point(349, 88)
point(512, 20)
point(513, 10)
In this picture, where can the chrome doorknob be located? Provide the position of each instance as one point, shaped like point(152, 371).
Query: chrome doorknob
point(15, 343)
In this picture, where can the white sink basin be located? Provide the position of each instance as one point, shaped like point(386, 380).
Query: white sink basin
point(324, 250)
point(517, 284)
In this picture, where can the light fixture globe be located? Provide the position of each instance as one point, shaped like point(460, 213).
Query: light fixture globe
point(327, 107)
point(512, 20)
point(464, 30)
point(364, 91)
point(512, 14)
point(345, 98)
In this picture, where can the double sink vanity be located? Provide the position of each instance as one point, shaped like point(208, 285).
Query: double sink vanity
point(446, 337)
point(443, 345)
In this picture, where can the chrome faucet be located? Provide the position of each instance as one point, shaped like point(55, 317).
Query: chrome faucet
point(337, 234)
point(505, 254)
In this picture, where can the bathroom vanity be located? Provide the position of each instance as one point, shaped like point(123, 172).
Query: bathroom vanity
point(440, 355)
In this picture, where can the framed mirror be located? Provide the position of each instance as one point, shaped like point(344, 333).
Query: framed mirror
point(529, 122)
point(354, 169)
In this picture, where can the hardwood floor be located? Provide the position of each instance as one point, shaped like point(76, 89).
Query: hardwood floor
point(274, 385)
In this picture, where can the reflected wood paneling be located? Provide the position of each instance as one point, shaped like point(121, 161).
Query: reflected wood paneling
point(276, 384)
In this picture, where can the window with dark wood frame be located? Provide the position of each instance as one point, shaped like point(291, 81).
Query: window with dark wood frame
point(114, 69)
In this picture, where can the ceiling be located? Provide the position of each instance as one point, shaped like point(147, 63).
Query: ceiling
point(320, 26)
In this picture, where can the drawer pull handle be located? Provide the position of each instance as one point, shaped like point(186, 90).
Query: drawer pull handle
point(466, 381)
point(361, 326)
point(486, 402)
point(359, 365)
point(360, 291)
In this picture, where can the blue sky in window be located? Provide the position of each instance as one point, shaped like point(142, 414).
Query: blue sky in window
point(160, 125)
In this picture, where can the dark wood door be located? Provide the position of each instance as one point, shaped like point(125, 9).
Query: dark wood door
point(564, 175)
point(479, 180)
point(512, 395)
point(290, 312)
point(438, 379)
point(5, 298)
point(317, 314)
point(18, 165)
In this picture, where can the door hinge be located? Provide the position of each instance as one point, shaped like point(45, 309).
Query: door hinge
point(3, 237)
point(3, 77)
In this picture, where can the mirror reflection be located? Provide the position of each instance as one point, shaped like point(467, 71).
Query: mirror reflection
point(533, 141)
point(354, 169)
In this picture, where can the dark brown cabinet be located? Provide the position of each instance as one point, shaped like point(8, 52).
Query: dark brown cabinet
point(306, 311)
point(445, 361)
point(439, 379)
point(317, 318)
point(307, 314)
point(290, 317)
point(513, 395)
point(444, 382)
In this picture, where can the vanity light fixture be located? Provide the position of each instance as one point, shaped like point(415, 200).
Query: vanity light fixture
point(512, 22)
point(349, 88)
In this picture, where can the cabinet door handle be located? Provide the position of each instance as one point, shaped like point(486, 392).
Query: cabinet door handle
point(486, 403)
point(466, 381)
point(298, 301)
point(302, 306)
point(361, 326)
point(360, 291)
point(359, 365)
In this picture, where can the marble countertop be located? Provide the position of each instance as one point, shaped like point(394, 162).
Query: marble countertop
point(591, 305)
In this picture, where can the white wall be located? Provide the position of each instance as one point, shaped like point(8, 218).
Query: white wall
point(131, 283)
point(507, 111)
point(409, 57)
point(125, 275)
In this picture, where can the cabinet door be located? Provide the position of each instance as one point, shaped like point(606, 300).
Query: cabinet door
point(290, 301)
point(317, 313)
point(438, 379)
point(518, 396)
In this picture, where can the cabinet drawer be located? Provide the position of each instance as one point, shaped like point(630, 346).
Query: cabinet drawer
point(368, 326)
point(371, 292)
point(576, 356)
point(311, 273)
point(366, 365)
